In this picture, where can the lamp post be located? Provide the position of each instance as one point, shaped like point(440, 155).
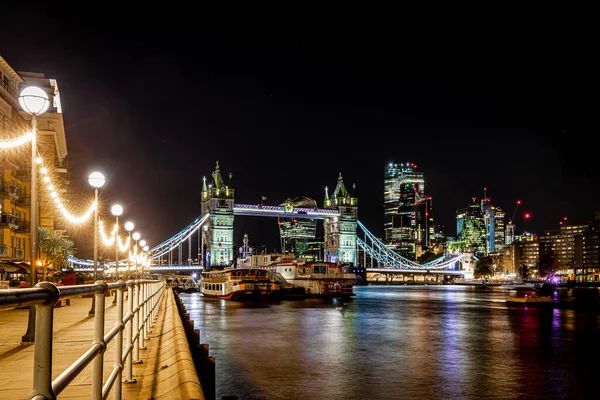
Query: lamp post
point(116, 210)
point(146, 248)
point(96, 180)
point(129, 228)
point(143, 245)
point(34, 101)
point(136, 237)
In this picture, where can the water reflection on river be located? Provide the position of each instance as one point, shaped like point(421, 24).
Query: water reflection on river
point(412, 342)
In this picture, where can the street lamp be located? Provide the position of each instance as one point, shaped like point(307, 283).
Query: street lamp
point(96, 180)
point(129, 228)
point(136, 236)
point(146, 260)
point(34, 101)
point(143, 245)
point(116, 210)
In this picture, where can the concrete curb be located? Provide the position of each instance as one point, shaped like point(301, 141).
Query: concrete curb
point(170, 372)
point(205, 364)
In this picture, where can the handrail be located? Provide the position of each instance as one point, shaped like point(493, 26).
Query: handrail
point(144, 296)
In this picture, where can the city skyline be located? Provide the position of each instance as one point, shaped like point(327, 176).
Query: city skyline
point(286, 116)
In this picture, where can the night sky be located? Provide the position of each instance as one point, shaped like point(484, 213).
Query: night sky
point(154, 108)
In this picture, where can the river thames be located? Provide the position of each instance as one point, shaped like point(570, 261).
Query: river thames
point(413, 342)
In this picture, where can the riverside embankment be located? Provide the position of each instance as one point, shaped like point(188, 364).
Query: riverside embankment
point(74, 354)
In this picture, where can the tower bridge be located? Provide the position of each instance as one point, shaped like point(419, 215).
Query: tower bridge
point(346, 239)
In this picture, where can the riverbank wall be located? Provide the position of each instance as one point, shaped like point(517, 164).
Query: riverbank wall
point(203, 361)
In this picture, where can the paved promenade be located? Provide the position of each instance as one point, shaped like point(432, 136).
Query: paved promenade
point(73, 330)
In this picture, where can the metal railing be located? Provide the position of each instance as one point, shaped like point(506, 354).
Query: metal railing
point(143, 300)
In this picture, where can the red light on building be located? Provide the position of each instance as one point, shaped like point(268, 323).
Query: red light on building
point(565, 218)
point(518, 201)
point(527, 215)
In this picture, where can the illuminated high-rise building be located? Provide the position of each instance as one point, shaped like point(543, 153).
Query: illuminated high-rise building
point(474, 232)
point(493, 218)
point(296, 233)
point(408, 211)
point(460, 222)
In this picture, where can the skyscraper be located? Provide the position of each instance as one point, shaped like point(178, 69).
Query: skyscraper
point(296, 233)
point(408, 211)
point(493, 218)
point(474, 230)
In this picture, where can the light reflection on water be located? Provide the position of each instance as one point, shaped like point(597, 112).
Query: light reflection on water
point(420, 342)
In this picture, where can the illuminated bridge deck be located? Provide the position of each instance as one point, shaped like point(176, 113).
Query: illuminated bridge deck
point(279, 211)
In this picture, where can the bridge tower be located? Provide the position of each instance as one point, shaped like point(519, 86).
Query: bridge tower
point(340, 232)
point(217, 233)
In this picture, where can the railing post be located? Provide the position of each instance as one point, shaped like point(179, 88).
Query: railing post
point(136, 323)
point(141, 317)
point(119, 343)
point(42, 355)
point(150, 305)
point(128, 360)
point(145, 313)
point(98, 363)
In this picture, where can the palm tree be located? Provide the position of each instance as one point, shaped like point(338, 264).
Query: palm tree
point(54, 250)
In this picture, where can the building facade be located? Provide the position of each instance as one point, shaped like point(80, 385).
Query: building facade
point(474, 232)
point(15, 164)
point(296, 233)
point(559, 247)
point(340, 232)
point(408, 216)
point(587, 255)
point(493, 219)
point(217, 233)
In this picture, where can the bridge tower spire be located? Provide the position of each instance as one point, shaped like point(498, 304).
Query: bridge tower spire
point(217, 235)
point(340, 232)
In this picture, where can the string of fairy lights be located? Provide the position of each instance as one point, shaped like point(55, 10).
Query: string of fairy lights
point(108, 240)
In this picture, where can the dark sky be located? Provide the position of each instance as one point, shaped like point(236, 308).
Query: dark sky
point(154, 106)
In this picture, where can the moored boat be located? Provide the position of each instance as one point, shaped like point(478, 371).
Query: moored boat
point(319, 279)
point(533, 299)
point(240, 283)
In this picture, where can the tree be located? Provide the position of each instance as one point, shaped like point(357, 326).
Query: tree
point(54, 250)
point(483, 267)
point(427, 257)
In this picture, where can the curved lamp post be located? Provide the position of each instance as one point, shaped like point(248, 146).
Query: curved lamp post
point(34, 101)
point(129, 228)
point(96, 180)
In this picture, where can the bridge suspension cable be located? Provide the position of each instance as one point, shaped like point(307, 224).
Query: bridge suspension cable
point(386, 256)
point(178, 238)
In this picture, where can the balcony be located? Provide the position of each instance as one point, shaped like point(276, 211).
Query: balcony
point(20, 253)
point(9, 220)
point(10, 190)
point(23, 175)
point(8, 87)
point(24, 227)
point(23, 201)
